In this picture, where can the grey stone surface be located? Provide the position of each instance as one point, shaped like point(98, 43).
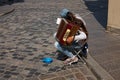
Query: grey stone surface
point(104, 47)
point(26, 36)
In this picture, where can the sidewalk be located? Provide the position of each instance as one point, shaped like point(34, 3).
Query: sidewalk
point(23, 46)
point(104, 45)
point(104, 49)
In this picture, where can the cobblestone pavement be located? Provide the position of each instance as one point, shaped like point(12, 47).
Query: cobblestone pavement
point(26, 36)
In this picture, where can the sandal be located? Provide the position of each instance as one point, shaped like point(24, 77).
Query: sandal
point(71, 60)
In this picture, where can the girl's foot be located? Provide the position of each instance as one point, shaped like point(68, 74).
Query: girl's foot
point(71, 60)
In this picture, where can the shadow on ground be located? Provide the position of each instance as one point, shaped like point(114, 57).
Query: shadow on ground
point(9, 2)
point(99, 9)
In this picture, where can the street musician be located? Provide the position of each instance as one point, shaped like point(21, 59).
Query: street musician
point(71, 31)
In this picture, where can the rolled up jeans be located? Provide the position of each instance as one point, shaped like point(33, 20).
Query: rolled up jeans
point(64, 49)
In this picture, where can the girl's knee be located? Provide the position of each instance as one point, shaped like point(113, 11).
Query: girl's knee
point(54, 35)
point(56, 44)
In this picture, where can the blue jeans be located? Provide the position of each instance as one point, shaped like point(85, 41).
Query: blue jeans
point(67, 50)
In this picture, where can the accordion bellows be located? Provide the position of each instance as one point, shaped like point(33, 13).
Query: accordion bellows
point(65, 30)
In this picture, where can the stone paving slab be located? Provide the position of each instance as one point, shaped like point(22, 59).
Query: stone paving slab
point(70, 74)
point(104, 47)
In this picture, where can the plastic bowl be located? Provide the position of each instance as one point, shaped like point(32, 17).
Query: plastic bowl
point(47, 60)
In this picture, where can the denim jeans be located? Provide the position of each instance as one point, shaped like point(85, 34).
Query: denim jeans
point(67, 50)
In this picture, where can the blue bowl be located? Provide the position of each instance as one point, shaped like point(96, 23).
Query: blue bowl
point(47, 60)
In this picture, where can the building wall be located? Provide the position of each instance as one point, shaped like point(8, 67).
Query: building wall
point(113, 14)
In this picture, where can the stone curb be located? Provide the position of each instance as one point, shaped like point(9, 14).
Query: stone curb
point(97, 70)
point(113, 30)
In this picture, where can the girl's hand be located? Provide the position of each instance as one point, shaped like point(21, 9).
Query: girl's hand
point(70, 39)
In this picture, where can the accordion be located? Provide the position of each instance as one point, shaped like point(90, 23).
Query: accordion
point(65, 30)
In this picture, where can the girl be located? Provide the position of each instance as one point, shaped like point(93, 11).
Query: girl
point(81, 35)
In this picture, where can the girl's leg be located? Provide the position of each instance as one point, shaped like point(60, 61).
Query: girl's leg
point(85, 50)
point(65, 51)
point(71, 58)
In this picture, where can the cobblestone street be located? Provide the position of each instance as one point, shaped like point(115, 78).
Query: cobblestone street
point(26, 36)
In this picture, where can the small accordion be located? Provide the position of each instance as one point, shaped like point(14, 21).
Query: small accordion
point(65, 30)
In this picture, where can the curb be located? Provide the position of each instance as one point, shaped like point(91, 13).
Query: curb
point(97, 70)
point(6, 10)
